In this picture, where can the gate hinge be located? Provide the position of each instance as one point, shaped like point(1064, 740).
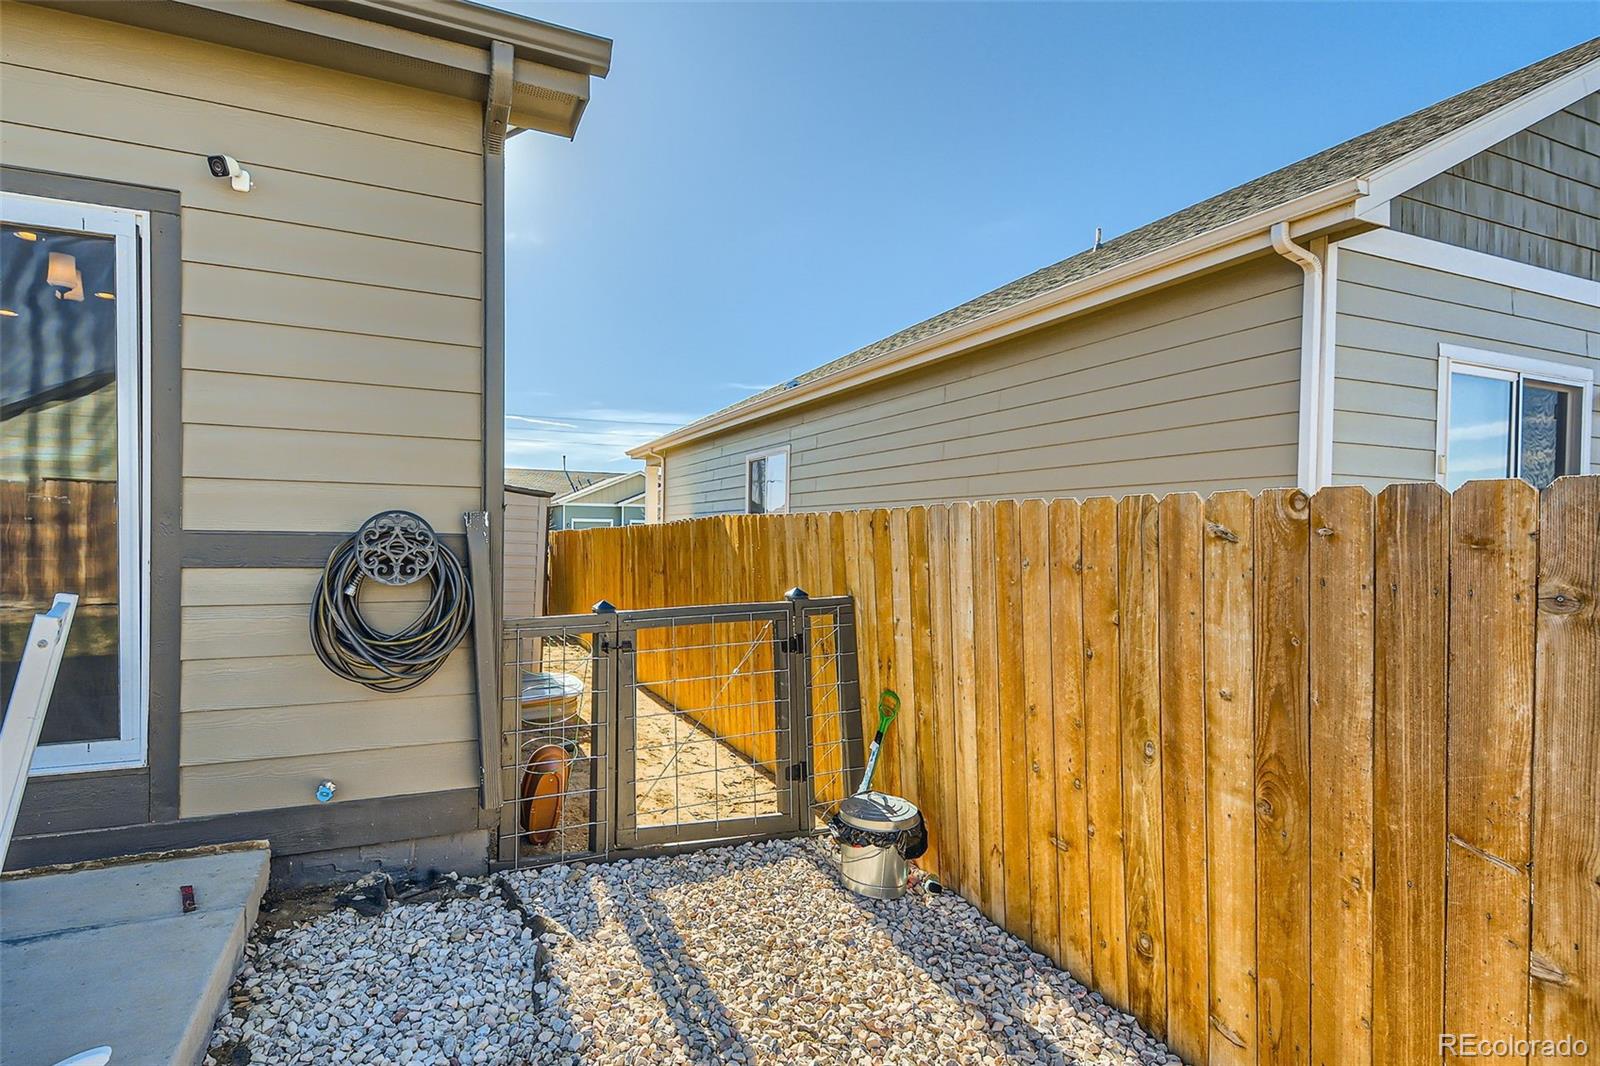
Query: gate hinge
point(797, 771)
point(795, 644)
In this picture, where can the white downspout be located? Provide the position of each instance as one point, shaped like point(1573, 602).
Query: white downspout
point(1310, 475)
point(661, 484)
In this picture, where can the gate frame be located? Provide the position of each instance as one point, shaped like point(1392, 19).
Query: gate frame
point(612, 801)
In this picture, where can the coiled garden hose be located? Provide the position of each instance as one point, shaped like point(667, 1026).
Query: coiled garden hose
point(394, 548)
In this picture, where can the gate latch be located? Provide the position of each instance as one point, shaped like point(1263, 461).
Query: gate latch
point(797, 771)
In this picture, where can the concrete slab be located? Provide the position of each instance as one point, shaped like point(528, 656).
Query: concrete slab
point(103, 954)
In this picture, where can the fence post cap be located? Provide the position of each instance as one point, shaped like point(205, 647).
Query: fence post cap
point(797, 593)
point(604, 607)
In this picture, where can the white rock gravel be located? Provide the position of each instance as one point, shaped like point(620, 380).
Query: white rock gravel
point(752, 954)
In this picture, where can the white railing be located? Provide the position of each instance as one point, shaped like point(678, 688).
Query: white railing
point(30, 695)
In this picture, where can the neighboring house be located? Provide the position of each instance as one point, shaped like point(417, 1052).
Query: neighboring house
point(1417, 303)
point(555, 482)
point(586, 499)
point(207, 388)
point(616, 501)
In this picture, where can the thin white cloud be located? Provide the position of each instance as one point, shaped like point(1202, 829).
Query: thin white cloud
point(746, 387)
point(540, 422)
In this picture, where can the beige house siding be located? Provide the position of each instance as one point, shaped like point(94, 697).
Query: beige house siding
point(1194, 387)
point(332, 366)
point(527, 531)
point(1534, 197)
point(1392, 317)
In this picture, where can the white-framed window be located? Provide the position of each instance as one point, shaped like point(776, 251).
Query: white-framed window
point(1503, 415)
point(592, 523)
point(73, 445)
point(766, 481)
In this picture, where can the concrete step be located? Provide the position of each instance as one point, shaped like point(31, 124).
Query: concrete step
point(102, 953)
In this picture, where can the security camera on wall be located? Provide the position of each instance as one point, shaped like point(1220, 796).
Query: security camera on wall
point(225, 166)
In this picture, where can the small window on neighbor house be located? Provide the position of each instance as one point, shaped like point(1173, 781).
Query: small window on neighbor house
point(766, 482)
point(1507, 416)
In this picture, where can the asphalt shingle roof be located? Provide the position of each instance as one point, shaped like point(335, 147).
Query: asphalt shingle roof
point(1355, 158)
point(555, 481)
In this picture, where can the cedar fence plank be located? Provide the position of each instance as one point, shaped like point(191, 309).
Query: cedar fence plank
point(887, 644)
point(1066, 680)
point(986, 678)
point(962, 646)
point(1108, 906)
point(1038, 722)
point(1283, 786)
point(925, 771)
point(1138, 614)
point(1489, 758)
point(1230, 776)
point(1183, 772)
point(1341, 776)
point(940, 767)
point(1565, 984)
point(1408, 774)
point(1012, 736)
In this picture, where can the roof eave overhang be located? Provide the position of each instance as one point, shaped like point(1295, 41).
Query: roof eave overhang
point(1327, 211)
point(426, 44)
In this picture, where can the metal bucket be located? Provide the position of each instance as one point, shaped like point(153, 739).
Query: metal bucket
point(870, 859)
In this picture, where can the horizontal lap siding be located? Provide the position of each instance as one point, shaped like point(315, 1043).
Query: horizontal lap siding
point(332, 354)
point(1392, 318)
point(1534, 197)
point(332, 315)
point(263, 722)
point(1196, 385)
point(526, 534)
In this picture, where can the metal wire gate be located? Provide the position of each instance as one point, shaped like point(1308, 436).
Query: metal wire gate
point(638, 732)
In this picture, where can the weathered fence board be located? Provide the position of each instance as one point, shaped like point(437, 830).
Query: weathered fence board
point(1489, 758)
point(1040, 759)
point(1410, 625)
point(1230, 776)
point(1183, 771)
point(1066, 678)
point(1108, 901)
point(1253, 768)
point(1565, 969)
point(1341, 776)
point(1283, 779)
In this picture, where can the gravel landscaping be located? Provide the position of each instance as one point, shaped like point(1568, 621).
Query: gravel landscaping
point(751, 954)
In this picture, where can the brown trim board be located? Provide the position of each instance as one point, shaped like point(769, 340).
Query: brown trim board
point(217, 549)
point(291, 830)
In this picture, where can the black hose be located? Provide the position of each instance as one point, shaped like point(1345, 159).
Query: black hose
point(358, 651)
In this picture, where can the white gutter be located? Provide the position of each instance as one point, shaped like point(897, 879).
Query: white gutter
point(1310, 476)
point(1314, 212)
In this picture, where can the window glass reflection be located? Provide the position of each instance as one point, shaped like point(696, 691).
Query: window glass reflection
point(1479, 430)
point(58, 465)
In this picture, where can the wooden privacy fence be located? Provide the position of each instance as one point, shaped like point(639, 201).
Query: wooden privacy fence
point(1291, 779)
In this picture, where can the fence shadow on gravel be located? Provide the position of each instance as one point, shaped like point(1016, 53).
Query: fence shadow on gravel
point(977, 946)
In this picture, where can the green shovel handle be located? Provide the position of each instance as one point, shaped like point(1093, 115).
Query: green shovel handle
point(888, 709)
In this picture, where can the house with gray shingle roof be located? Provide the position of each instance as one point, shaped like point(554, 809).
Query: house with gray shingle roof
point(1421, 302)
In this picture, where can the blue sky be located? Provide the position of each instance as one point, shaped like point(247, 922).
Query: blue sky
point(759, 188)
